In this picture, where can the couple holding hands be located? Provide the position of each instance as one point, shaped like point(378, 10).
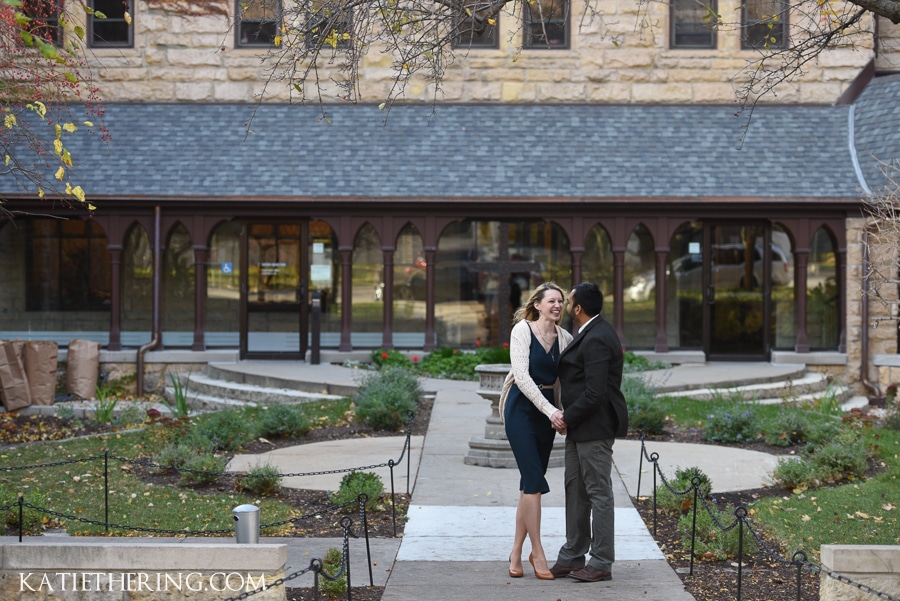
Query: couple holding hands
point(571, 384)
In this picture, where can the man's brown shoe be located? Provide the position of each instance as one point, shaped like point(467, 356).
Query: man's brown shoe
point(590, 574)
point(561, 571)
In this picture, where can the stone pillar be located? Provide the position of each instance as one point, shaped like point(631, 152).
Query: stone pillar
point(492, 449)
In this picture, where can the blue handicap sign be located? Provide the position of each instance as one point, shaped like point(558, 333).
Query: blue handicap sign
point(227, 267)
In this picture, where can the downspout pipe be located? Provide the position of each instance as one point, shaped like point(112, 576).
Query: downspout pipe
point(864, 316)
point(157, 275)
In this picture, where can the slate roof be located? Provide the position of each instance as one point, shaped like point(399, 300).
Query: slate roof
point(471, 151)
point(876, 117)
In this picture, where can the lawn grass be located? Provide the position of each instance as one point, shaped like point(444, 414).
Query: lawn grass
point(857, 511)
point(72, 484)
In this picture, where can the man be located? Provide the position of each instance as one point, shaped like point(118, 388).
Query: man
point(594, 414)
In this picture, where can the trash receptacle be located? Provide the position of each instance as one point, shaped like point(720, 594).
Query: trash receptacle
point(246, 524)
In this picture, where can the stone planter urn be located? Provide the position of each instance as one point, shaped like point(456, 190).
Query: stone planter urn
point(492, 449)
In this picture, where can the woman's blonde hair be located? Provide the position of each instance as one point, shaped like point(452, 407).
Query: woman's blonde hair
point(527, 310)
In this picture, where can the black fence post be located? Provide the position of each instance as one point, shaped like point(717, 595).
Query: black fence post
point(654, 457)
point(106, 489)
point(740, 513)
point(21, 499)
point(695, 481)
point(393, 498)
point(799, 558)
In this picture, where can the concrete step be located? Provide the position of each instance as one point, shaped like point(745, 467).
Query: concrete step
point(206, 393)
point(276, 374)
point(794, 388)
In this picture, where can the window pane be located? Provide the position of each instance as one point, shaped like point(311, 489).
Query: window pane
point(483, 271)
point(597, 266)
point(178, 289)
point(223, 292)
point(640, 290)
point(472, 34)
point(547, 24)
point(764, 24)
point(137, 286)
point(822, 301)
point(114, 30)
point(45, 19)
point(258, 22)
point(325, 277)
point(684, 288)
point(692, 24)
point(328, 26)
point(409, 283)
point(368, 313)
point(56, 278)
point(782, 282)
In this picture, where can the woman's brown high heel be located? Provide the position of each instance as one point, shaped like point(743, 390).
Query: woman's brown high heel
point(540, 575)
point(514, 573)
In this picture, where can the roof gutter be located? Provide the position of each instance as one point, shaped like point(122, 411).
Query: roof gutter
point(157, 275)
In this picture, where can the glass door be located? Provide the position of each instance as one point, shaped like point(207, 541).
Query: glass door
point(736, 295)
point(273, 314)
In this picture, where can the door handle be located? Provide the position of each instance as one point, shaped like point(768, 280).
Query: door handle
point(710, 295)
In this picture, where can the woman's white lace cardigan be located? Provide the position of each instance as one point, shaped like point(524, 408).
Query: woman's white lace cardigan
point(519, 355)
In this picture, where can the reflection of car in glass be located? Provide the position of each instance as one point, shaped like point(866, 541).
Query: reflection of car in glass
point(452, 282)
point(728, 271)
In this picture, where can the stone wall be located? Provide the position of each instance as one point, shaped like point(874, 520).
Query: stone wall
point(139, 571)
point(874, 566)
point(183, 54)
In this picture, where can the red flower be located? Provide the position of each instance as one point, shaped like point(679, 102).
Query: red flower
point(505, 345)
point(478, 342)
point(415, 359)
point(384, 355)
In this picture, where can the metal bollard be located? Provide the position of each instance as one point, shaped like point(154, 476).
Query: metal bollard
point(246, 524)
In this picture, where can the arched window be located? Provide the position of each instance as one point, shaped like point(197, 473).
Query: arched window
point(782, 286)
point(409, 289)
point(177, 316)
point(640, 290)
point(822, 299)
point(137, 287)
point(368, 313)
point(597, 266)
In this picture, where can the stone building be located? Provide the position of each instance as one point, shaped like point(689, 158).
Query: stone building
point(607, 149)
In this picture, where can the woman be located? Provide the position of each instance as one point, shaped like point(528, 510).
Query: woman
point(527, 402)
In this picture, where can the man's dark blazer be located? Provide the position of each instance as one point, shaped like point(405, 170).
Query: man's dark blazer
point(590, 376)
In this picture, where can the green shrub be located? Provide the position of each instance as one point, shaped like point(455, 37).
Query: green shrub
point(130, 414)
point(666, 500)
point(711, 541)
point(283, 421)
point(332, 565)
point(386, 397)
point(635, 363)
point(179, 392)
point(794, 427)
point(389, 358)
point(737, 426)
point(645, 411)
point(174, 456)
point(795, 473)
point(455, 364)
point(205, 469)
point(227, 429)
point(260, 480)
point(844, 458)
point(355, 483)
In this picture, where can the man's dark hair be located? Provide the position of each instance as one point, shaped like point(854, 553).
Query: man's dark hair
point(588, 295)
